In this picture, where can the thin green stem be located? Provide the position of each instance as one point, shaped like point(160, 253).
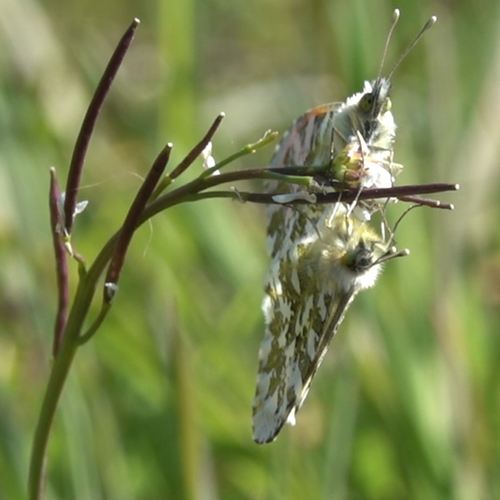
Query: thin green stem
point(249, 149)
point(62, 363)
point(105, 308)
point(57, 379)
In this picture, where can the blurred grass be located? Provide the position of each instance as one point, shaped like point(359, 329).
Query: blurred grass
point(158, 406)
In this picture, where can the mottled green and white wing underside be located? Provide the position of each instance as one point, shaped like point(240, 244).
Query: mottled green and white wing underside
point(303, 307)
point(307, 143)
point(312, 280)
point(322, 255)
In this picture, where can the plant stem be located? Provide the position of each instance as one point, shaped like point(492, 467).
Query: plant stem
point(61, 261)
point(60, 370)
point(88, 124)
point(55, 385)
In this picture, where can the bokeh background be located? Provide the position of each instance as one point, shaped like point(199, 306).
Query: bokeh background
point(407, 402)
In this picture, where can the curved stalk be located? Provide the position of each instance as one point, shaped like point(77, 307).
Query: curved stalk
point(57, 379)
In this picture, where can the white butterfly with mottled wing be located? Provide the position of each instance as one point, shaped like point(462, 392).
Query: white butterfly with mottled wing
point(309, 288)
point(322, 255)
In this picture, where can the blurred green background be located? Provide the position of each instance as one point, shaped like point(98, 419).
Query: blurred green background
point(407, 402)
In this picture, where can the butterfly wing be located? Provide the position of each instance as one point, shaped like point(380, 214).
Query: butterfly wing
point(307, 143)
point(306, 295)
point(303, 310)
point(296, 306)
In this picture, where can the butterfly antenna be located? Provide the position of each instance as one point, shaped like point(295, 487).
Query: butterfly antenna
point(427, 26)
point(395, 19)
point(401, 217)
point(392, 253)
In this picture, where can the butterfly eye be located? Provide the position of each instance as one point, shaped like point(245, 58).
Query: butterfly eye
point(359, 260)
point(366, 103)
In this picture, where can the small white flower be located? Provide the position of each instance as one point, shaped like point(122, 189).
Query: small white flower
point(79, 208)
point(376, 176)
point(208, 159)
point(111, 289)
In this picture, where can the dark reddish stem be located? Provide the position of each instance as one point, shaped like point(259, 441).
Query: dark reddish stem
point(88, 125)
point(196, 151)
point(130, 223)
point(321, 198)
point(61, 263)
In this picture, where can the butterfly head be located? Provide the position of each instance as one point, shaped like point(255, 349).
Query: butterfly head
point(374, 106)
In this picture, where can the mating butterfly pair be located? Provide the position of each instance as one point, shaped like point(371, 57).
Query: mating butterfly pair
point(321, 255)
